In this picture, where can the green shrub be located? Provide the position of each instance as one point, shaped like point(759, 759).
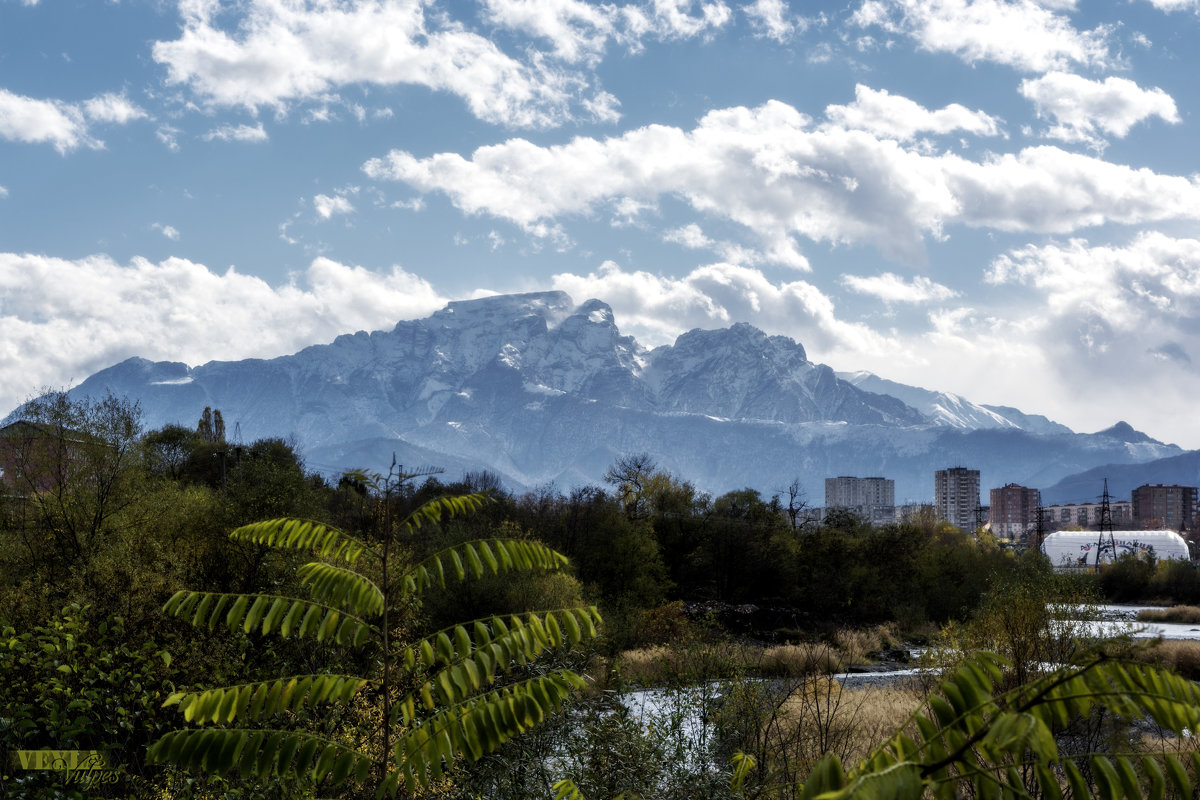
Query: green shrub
point(77, 683)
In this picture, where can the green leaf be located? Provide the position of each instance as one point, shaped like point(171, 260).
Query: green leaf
point(268, 613)
point(334, 585)
point(262, 699)
point(257, 752)
point(301, 534)
point(473, 558)
point(452, 733)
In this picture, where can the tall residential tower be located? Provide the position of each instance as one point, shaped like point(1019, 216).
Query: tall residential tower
point(1014, 510)
point(956, 496)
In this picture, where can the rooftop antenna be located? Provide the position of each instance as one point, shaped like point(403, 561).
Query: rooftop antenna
point(402, 477)
point(1106, 526)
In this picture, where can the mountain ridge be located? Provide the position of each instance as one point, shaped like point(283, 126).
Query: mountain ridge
point(540, 389)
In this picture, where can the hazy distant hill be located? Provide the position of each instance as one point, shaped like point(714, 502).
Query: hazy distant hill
point(1086, 487)
point(539, 389)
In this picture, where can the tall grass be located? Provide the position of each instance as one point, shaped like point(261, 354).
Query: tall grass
point(1182, 657)
point(789, 727)
point(1188, 615)
point(693, 660)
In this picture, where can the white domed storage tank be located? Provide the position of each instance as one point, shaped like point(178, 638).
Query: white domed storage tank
point(1078, 549)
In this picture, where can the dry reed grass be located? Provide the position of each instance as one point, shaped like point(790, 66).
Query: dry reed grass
point(795, 660)
point(866, 716)
point(694, 660)
point(1181, 657)
point(856, 644)
point(1189, 615)
point(818, 717)
point(882, 710)
point(690, 662)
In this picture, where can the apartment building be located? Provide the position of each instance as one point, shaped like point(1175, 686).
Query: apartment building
point(1159, 507)
point(956, 496)
point(1014, 510)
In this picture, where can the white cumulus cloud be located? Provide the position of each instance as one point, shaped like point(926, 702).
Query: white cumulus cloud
point(892, 288)
point(772, 19)
point(65, 319)
point(270, 53)
point(692, 237)
point(769, 170)
point(327, 206)
point(891, 116)
point(1122, 316)
point(1175, 5)
point(580, 31)
point(237, 133)
point(27, 119)
point(113, 108)
point(1023, 34)
point(65, 126)
point(657, 308)
point(1154, 280)
point(169, 231)
point(1085, 110)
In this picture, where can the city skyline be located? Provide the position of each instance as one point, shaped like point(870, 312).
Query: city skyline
point(1013, 510)
point(998, 199)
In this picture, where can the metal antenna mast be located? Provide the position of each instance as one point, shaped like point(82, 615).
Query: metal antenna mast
point(401, 477)
point(1106, 526)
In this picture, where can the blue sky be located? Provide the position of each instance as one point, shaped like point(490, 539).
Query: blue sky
point(998, 199)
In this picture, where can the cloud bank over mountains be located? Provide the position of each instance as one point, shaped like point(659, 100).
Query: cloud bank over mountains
point(993, 197)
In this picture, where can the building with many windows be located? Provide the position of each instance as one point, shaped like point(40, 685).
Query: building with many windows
point(1086, 515)
point(1014, 510)
point(1162, 507)
point(956, 496)
point(871, 498)
point(848, 492)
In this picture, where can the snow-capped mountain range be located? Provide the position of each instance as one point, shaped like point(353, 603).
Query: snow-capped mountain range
point(539, 389)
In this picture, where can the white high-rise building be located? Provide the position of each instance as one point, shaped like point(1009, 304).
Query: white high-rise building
point(871, 498)
point(956, 496)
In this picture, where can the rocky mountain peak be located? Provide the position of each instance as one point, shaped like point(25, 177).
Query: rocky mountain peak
point(1125, 432)
point(537, 388)
point(503, 310)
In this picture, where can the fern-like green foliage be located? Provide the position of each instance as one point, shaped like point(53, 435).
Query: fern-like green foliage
point(459, 711)
point(302, 534)
point(467, 657)
point(332, 584)
point(477, 558)
point(973, 741)
point(478, 726)
point(287, 616)
point(252, 701)
point(262, 753)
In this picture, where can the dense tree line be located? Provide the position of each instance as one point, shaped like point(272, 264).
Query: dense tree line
point(101, 522)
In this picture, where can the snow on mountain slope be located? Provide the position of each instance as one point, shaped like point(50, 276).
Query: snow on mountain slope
point(952, 410)
point(539, 389)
